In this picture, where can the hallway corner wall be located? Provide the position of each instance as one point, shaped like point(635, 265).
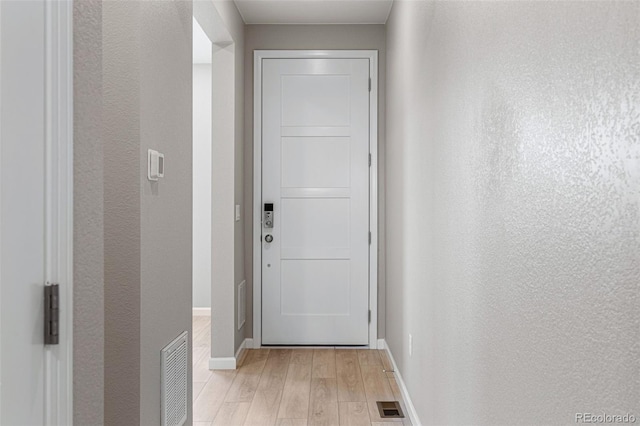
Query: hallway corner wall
point(513, 209)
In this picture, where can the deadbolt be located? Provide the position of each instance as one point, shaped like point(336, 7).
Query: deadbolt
point(268, 238)
point(268, 215)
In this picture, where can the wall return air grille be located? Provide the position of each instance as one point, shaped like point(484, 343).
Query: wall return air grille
point(173, 382)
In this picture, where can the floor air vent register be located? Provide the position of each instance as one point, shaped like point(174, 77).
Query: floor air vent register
point(390, 409)
point(174, 364)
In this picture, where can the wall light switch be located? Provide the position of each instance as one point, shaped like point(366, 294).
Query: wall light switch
point(155, 165)
point(237, 212)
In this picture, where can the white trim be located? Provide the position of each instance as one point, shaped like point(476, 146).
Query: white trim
point(413, 414)
point(381, 344)
point(222, 363)
point(59, 205)
point(313, 347)
point(201, 312)
point(230, 363)
point(258, 56)
point(373, 199)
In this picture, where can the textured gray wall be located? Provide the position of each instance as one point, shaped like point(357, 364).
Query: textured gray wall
point(132, 91)
point(121, 145)
point(166, 206)
point(513, 209)
point(282, 37)
point(88, 269)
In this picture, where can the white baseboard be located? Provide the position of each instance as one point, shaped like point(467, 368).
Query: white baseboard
point(381, 344)
point(205, 312)
point(221, 363)
point(413, 415)
point(231, 362)
point(246, 344)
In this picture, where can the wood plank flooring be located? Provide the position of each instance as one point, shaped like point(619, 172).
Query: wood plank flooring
point(292, 387)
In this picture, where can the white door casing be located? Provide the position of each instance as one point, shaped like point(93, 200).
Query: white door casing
point(315, 129)
point(35, 209)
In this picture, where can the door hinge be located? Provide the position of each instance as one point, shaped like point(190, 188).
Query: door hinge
point(369, 160)
point(369, 316)
point(51, 314)
point(369, 83)
point(369, 237)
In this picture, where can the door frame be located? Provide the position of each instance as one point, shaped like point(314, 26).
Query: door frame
point(58, 215)
point(58, 381)
point(258, 56)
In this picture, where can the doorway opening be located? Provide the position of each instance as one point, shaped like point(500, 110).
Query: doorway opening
point(202, 205)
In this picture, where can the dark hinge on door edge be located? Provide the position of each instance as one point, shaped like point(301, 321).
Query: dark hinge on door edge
point(369, 237)
point(369, 315)
point(369, 84)
point(51, 314)
point(369, 160)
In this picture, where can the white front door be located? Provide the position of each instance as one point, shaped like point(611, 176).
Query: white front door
point(315, 177)
point(22, 212)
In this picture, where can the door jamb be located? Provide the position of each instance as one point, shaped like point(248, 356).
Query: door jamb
point(258, 56)
point(59, 205)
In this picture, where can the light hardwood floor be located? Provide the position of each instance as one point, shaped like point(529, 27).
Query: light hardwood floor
point(292, 387)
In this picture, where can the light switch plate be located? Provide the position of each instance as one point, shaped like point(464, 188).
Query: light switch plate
point(237, 212)
point(155, 165)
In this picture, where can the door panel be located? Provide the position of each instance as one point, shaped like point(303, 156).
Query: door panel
point(303, 224)
point(315, 165)
point(22, 207)
point(315, 100)
point(315, 287)
point(304, 162)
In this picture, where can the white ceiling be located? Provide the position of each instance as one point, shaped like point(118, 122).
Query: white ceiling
point(314, 11)
point(201, 45)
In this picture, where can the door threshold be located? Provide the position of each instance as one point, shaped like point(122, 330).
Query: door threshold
point(315, 346)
